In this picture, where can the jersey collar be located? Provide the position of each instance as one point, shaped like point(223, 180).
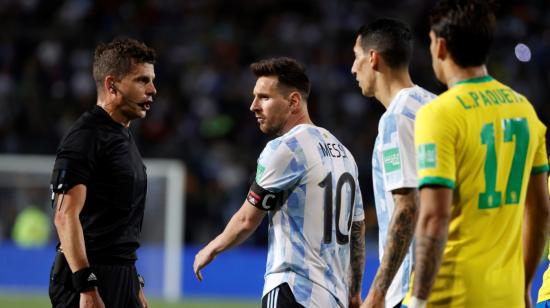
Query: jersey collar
point(482, 79)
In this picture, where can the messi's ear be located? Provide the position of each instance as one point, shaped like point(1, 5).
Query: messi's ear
point(295, 100)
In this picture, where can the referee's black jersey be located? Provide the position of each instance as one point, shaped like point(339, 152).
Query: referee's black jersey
point(101, 154)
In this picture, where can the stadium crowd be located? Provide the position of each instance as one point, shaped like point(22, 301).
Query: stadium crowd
point(201, 114)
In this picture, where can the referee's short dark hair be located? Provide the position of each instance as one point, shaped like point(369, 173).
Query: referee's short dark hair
point(290, 73)
point(117, 57)
point(391, 38)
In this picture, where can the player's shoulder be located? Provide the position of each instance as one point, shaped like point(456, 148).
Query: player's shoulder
point(408, 101)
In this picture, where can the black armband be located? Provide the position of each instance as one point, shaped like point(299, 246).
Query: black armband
point(141, 281)
point(264, 199)
point(84, 279)
point(58, 182)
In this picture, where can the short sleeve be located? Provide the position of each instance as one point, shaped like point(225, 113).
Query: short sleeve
point(398, 154)
point(75, 160)
point(435, 139)
point(278, 167)
point(358, 211)
point(540, 162)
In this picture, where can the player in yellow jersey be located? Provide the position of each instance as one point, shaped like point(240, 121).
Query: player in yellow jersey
point(543, 300)
point(482, 168)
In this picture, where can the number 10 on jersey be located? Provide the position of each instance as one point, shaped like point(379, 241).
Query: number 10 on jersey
point(326, 183)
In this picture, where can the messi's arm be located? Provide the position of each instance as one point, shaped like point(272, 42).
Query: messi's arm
point(243, 223)
point(400, 234)
point(357, 259)
point(71, 236)
point(535, 226)
point(431, 236)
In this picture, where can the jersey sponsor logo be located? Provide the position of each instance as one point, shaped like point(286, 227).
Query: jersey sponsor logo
point(426, 156)
point(392, 159)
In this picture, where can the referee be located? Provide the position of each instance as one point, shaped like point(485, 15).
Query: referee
point(99, 184)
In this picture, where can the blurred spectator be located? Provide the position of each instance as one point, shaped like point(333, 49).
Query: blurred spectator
point(201, 113)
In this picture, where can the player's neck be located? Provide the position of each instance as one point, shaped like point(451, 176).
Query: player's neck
point(455, 74)
point(113, 112)
point(390, 84)
point(295, 120)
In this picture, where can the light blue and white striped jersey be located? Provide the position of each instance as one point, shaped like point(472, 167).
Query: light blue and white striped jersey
point(393, 167)
point(309, 246)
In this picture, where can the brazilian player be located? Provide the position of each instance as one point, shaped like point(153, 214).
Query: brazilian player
point(482, 167)
point(543, 299)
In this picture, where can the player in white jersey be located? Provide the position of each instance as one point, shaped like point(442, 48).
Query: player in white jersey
point(382, 53)
point(306, 181)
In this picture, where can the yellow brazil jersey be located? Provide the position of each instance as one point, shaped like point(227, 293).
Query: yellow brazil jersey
point(484, 140)
point(544, 291)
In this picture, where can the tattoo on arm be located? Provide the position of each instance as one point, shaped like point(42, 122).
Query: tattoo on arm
point(429, 252)
point(357, 254)
point(400, 234)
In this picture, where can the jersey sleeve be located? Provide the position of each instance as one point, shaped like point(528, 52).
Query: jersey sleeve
point(358, 210)
point(279, 168)
point(278, 171)
point(75, 161)
point(398, 154)
point(540, 163)
point(435, 138)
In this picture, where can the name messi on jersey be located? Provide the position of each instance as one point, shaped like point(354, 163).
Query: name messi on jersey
point(489, 97)
point(335, 150)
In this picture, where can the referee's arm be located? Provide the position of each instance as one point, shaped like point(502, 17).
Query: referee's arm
point(71, 236)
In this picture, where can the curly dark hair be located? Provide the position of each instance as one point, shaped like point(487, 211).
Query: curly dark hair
point(289, 72)
point(117, 57)
point(468, 27)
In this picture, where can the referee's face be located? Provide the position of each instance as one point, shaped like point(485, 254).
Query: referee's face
point(136, 91)
point(270, 106)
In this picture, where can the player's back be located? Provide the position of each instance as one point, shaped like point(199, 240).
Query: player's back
point(491, 141)
point(309, 235)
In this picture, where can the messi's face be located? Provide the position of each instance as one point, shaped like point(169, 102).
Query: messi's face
point(270, 106)
point(364, 74)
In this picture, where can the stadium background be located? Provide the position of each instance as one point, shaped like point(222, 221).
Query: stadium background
point(201, 115)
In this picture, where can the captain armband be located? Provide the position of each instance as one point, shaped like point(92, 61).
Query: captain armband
point(264, 199)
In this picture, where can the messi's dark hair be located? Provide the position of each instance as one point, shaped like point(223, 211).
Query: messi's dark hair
point(468, 27)
point(117, 57)
point(290, 73)
point(391, 38)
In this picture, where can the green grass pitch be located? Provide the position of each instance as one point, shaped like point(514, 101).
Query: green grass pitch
point(34, 301)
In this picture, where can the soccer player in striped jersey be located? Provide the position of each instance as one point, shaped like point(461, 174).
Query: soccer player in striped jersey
point(382, 53)
point(484, 204)
point(306, 182)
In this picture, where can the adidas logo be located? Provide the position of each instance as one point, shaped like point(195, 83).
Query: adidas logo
point(92, 277)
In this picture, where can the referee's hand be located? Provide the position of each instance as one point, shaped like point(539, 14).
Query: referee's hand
point(202, 259)
point(91, 299)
